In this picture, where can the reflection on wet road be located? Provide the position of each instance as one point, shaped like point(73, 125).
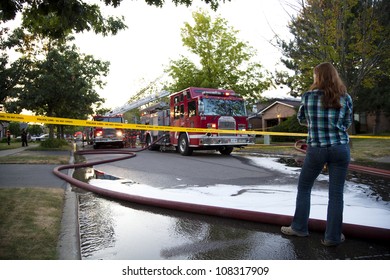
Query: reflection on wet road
point(126, 231)
point(114, 230)
point(117, 230)
point(96, 225)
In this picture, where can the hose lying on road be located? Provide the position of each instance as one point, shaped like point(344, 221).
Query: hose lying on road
point(350, 230)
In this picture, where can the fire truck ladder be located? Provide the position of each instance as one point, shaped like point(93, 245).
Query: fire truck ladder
point(133, 104)
point(138, 103)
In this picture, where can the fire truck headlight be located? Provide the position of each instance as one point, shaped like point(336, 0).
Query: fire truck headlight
point(119, 133)
point(211, 125)
point(242, 127)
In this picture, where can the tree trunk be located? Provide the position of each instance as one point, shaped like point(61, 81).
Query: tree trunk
point(377, 122)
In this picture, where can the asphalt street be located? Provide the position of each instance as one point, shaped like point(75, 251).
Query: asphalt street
point(41, 175)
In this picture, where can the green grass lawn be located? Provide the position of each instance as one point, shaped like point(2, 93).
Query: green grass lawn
point(362, 150)
point(13, 145)
point(370, 149)
point(30, 221)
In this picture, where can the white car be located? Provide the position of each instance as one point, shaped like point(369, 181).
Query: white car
point(34, 138)
point(42, 137)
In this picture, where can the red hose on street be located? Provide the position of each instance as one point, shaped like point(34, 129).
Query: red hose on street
point(350, 230)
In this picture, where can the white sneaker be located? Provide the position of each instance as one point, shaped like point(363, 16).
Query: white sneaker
point(290, 231)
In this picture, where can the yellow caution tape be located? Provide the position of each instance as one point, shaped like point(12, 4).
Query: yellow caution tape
point(76, 122)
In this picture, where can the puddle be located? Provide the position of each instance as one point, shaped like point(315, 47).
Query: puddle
point(119, 230)
point(379, 186)
point(97, 225)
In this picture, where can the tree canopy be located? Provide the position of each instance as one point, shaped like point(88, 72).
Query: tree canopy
point(352, 34)
point(59, 18)
point(10, 73)
point(225, 61)
point(62, 84)
point(54, 21)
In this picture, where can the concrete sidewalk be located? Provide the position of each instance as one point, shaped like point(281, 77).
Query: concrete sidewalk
point(8, 152)
point(30, 175)
point(41, 175)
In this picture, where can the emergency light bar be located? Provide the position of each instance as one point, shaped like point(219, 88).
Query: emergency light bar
point(219, 93)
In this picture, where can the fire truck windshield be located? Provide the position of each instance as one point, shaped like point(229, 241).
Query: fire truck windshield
point(222, 107)
point(108, 119)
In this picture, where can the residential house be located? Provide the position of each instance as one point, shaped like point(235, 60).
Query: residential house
point(372, 123)
point(273, 112)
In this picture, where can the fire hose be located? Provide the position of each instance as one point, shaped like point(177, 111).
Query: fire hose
point(351, 230)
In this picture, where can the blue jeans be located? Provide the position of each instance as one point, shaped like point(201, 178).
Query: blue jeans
point(337, 158)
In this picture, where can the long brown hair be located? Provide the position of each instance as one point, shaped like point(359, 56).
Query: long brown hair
point(327, 79)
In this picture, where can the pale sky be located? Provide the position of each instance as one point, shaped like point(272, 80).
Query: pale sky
point(139, 54)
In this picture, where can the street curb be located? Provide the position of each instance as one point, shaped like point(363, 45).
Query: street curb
point(69, 240)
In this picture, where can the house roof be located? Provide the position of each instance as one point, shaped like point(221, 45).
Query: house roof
point(293, 102)
point(266, 106)
point(273, 104)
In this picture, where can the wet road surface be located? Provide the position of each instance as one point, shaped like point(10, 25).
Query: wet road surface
point(120, 230)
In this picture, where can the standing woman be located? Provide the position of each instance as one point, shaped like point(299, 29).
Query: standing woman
point(326, 109)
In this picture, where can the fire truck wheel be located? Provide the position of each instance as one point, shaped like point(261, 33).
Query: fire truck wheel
point(184, 147)
point(226, 150)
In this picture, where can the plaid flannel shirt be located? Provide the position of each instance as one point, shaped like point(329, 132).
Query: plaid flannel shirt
point(326, 127)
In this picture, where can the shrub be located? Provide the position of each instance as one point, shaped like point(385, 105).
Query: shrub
point(290, 125)
point(54, 143)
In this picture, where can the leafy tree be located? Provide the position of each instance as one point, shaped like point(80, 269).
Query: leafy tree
point(225, 61)
point(102, 111)
point(374, 97)
point(63, 84)
point(35, 129)
point(348, 33)
point(375, 100)
point(58, 18)
point(351, 34)
point(10, 73)
point(54, 19)
point(63, 79)
point(213, 3)
point(14, 128)
point(132, 116)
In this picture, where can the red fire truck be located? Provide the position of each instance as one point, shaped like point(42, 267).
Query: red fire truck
point(103, 136)
point(199, 108)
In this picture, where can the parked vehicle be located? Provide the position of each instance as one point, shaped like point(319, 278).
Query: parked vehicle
point(106, 136)
point(42, 137)
point(34, 138)
point(199, 108)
